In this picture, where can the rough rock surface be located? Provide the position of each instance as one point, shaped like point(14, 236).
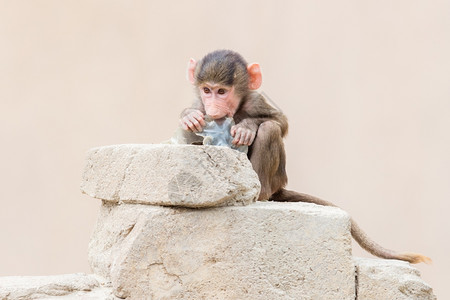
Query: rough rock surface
point(265, 250)
point(170, 175)
point(69, 286)
point(389, 279)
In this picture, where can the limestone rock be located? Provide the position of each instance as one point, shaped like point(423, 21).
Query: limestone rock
point(265, 250)
point(170, 175)
point(67, 287)
point(390, 279)
point(114, 224)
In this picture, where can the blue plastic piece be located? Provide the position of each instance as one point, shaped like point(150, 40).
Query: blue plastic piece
point(217, 133)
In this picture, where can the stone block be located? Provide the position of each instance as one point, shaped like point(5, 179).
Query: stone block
point(68, 286)
point(170, 175)
point(264, 251)
point(389, 279)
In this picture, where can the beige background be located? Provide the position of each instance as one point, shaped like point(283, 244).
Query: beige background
point(365, 85)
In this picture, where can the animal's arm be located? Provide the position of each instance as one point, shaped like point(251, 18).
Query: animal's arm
point(196, 105)
point(255, 110)
point(193, 118)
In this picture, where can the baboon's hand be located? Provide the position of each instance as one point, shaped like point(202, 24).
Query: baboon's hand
point(243, 134)
point(193, 121)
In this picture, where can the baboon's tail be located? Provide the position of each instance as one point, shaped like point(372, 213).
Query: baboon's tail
point(358, 234)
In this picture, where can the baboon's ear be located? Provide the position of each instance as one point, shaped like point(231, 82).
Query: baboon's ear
point(254, 70)
point(190, 70)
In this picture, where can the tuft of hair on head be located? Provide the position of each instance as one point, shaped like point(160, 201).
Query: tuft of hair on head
point(224, 67)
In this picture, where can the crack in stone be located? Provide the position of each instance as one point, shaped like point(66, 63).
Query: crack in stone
point(356, 282)
point(183, 187)
point(116, 195)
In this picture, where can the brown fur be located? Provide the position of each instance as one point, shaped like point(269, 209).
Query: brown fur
point(267, 153)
